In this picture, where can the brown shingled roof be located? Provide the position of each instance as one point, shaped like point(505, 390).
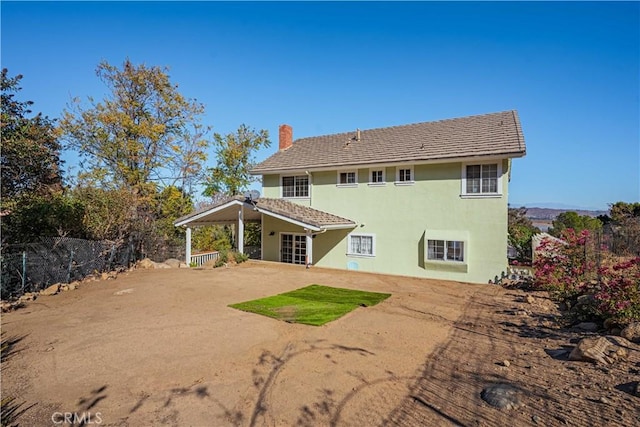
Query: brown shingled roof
point(275, 207)
point(305, 214)
point(496, 134)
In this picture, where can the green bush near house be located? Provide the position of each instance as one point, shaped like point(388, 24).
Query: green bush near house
point(312, 305)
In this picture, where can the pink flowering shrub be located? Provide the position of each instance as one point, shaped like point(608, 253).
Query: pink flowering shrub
point(567, 272)
point(618, 296)
point(561, 267)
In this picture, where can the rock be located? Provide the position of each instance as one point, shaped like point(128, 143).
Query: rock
point(124, 291)
point(604, 400)
point(29, 296)
point(73, 286)
point(161, 265)
point(51, 290)
point(530, 299)
point(502, 396)
point(64, 287)
point(535, 419)
point(601, 349)
point(585, 300)
point(173, 263)
point(146, 263)
point(632, 332)
point(183, 265)
point(505, 363)
point(8, 306)
point(104, 276)
point(587, 326)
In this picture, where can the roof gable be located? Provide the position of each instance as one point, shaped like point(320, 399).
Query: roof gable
point(496, 134)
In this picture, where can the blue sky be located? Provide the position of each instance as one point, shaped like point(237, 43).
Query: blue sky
point(572, 71)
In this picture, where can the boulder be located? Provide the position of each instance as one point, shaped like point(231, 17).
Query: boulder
point(146, 263)
point(29, 296)
point(591, 350)
point(73, 286)
point(161, 265)
point(173, 263)
point(183, 265)
point(587, 326)
point(632, 332)
point(603, 350)
point(51, 290)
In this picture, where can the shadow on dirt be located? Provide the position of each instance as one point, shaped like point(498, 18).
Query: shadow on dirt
point(269, 366)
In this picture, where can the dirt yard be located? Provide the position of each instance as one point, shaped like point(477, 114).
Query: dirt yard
point(161, 347)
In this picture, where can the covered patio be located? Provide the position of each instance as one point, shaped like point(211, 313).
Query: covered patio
point(296, 248)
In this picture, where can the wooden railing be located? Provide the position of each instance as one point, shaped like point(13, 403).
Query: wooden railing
point(199, 259)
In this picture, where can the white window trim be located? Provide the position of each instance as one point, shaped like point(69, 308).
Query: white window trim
point(463, 181)
point(282, 196)
point(447, 261)
point(413, 176)
point(373, 245)
point(384, 177)
point(354, 171)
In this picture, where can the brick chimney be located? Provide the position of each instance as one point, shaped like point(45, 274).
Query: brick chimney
point(286, 137)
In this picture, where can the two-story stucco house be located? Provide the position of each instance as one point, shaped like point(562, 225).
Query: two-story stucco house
point(425, 200)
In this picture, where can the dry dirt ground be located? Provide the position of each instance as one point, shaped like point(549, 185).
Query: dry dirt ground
point(161, 347)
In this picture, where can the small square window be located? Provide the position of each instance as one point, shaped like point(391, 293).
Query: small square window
point(377, 177)
point(349, 178)
point(404, 175)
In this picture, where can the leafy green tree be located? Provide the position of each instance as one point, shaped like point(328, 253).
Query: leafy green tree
point(572, 220)
point(234, 155)
point(107, 212)
point(521, 230)
point(139, 135)
point(172, 203)
point(620, 212)
point(30, 161)
point(32, 202)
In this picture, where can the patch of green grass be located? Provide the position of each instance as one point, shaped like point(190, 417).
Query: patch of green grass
point(312, 305)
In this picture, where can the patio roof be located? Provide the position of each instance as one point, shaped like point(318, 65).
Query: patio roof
point(226, 212)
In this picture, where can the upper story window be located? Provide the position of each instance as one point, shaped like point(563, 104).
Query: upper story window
point(376, 176)
point(347, 178)
point(404, 175)
point(481, 179)
point(295, 186)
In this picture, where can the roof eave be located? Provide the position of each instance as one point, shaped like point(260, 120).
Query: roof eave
point(364, 165)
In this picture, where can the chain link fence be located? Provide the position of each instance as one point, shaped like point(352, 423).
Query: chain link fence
point(34, 266)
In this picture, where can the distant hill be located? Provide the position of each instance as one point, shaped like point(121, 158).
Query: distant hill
point(551, 214)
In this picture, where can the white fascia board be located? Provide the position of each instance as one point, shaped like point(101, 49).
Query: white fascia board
point(286, 219)
point(208, 212)
point(390, 164)
point(339, 226)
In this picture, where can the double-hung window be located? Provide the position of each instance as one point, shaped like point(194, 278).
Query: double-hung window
point(404, 175)
point(295, 186)
point(377, 176)
point(347, 178)
point(445, 250)
point(361, 244)
point(481, 179)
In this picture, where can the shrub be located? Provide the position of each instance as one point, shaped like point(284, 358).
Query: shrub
point(618, 296)
point(565, 270)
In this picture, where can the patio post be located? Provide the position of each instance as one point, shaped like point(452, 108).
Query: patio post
point(240, 236)
point(309, 248)
point(188, 247)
